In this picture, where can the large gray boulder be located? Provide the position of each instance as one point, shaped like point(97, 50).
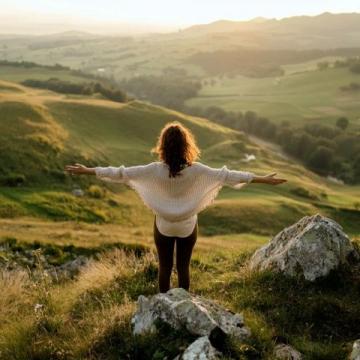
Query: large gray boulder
point(200, 349)
point(313, 247)
point(180, 309)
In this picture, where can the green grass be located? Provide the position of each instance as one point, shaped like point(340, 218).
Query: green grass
point(18, 74)
point(55, 131)
point(308, 65)
point(296, 97)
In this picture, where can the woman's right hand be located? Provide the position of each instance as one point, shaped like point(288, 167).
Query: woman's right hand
point(78, 169)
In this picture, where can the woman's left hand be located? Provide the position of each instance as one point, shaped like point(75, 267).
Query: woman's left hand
point(272, 180)
point(78, 169)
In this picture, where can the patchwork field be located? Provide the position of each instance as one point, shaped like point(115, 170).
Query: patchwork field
point(302, 95)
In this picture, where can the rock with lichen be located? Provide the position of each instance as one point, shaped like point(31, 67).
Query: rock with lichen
point(312, 247)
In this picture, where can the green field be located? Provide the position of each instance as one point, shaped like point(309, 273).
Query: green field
point(19, 74)
point(298, 96)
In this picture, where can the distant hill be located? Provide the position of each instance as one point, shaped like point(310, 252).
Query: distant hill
point(303, 38)
point(322, 31)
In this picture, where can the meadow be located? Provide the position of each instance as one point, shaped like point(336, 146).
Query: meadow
point(88, 316)
point(304, 94)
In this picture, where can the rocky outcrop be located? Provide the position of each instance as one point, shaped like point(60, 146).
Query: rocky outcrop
point(180, 309)
point(200, 349)
point(39, 264)
point(286, 352)
point(68, 269)
point(355, 354)
point(312, 247)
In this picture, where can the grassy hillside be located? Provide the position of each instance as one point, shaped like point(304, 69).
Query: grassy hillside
point(88, 317)
point(42, 131)
point(20, 73)
point(299, 96)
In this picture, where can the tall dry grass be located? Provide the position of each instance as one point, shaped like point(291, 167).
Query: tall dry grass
point(40, 318)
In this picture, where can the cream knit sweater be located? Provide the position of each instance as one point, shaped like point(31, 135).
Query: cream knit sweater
point(175, 201)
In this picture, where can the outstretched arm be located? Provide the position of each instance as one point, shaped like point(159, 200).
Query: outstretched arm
point(109, 173)
point(79, 169)
point(268, 179)
point(238, 179)
point(120, 174)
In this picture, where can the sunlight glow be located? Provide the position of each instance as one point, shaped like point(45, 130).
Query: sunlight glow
point(179, 13)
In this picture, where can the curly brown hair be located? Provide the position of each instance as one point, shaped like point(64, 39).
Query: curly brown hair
point(176, 146)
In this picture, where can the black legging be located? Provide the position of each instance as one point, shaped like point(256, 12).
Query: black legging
point(165, 249)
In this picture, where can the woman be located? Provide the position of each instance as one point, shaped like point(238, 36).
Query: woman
point(176, 189)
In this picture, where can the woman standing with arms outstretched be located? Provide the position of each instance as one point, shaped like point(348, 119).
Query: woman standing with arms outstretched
point(176, 188)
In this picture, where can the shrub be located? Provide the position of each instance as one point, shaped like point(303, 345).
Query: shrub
point(302, 192)
point(355, 68)
point(96, 192)
point(321, 158)
point(343, 122)
point(13, 179)
point(10, 209)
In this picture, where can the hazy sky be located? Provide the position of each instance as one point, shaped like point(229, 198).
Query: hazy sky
point(175, 12)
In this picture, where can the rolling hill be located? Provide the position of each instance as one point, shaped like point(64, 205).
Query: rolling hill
point(305, 38)
point(323, 31)
point(304, 94)
point(41, 131)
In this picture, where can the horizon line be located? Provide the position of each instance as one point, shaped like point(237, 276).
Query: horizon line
point(171, 27)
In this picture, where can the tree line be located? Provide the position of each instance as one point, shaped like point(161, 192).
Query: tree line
point(325, 149)
point(170, 90)
point(68, 87)
point(30, 64)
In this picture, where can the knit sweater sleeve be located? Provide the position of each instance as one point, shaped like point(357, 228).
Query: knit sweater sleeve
point(237, 178)
point(123, 174)
point(111, 173)
point(233, 178)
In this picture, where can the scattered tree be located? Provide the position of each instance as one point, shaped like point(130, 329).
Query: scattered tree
point(342, 123)
point(323, 65)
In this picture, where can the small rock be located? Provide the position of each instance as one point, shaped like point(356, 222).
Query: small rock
point(249, 157)
point(355, 354)
point(313, 247)
point(286, 352)
point(38, 307)
point(69, 269)
point(78, 192)
point(180, 309)
point(200, 349)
